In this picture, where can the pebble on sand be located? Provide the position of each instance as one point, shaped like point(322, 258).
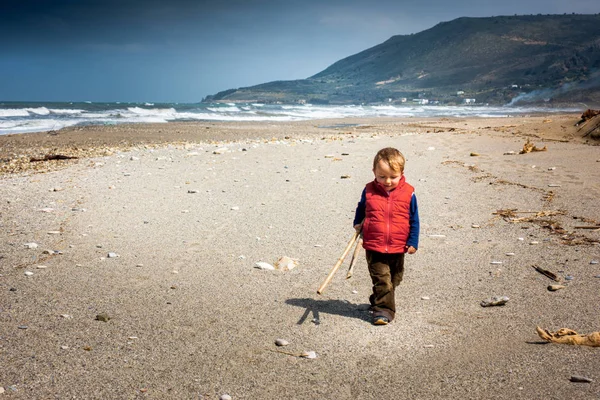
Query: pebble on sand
point(104, 317)
point(264, 265)
point(582, 379)
point(31, 245)
point(554, 288)
point(308, 354)
point(28, 273)
point(225, 397)
point(281, 342)
point(495, 301)
point(112, 255)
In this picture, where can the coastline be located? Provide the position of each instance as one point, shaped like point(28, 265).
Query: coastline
point(190, 208)
point(98, 140)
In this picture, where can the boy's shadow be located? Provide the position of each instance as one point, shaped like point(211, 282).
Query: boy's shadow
point(337, 307)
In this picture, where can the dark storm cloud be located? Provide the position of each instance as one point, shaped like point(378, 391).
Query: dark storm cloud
point(182, 50)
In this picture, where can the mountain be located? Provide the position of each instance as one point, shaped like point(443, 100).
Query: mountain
point(496, 60)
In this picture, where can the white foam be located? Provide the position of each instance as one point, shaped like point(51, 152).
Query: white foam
point(38, 110)
point(65, 111)
point(14, 112)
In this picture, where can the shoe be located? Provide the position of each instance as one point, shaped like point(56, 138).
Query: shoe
point(380, 320)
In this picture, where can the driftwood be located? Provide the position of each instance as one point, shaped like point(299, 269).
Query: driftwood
point(338, 263)
point(590, 120)
point(547, 273)
point(587, 115)
point(569, 336)
point(49, 157)
point(354, 258)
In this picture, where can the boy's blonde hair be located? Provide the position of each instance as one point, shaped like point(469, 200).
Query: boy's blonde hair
point(391, 157)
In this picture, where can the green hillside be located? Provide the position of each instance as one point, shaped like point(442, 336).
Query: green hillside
point(541, 58)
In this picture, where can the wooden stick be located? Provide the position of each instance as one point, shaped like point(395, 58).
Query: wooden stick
point(547, 273)
point(338, 263)
point(354, 258)
point(588, 227)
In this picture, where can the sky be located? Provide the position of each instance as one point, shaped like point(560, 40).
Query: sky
point(182, 50)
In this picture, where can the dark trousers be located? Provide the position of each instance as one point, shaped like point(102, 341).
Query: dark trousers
point(386, 272)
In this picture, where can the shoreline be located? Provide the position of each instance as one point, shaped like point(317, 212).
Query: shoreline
point(92, 141)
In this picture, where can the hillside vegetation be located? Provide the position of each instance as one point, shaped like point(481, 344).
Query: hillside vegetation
point(496, 60)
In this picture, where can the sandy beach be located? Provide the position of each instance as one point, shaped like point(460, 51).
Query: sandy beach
point(129, 271)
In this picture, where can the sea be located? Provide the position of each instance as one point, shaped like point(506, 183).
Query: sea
point(26, 117)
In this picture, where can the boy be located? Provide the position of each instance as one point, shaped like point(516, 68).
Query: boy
point(388, 216)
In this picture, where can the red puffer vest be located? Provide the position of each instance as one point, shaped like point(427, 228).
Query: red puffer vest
point(386, 226)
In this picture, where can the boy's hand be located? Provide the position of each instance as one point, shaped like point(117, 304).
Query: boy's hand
point(358, 227)
point(411, 250)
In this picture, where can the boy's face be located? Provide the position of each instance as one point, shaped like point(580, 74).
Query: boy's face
point(387, 177)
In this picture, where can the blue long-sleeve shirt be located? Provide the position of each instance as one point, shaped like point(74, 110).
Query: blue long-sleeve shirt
point(413, 219)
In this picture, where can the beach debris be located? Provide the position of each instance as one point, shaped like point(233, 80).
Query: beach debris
point(286, 263)
point(42, 267)
point(104, 317)
point(569, 278)
point(28, 273)
point(49, 157)
point(581, 379)
point(192, 191)
point(47, 210)
point(281, 342)
point(112, 255)
point(436, 236)
point(475, 226)
point(554, 185)
point(594, 262)
point(225, 397)
point(494, 301)
point(554, 288)
point(235, 208)
point(425, 298)
point(345, 177)
point(547, 273)
point(473, 154)
point(52, 252)
point(592, 117)
point(264, 266)
point(496, 262)
point(66, 316)
point(354, 258)
point(529, 147)
point(22, 327)
point(569, 336)
point(31, 245)
point(509, 254)
point(428, 346)
point(221, 150)
point(510, 153)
